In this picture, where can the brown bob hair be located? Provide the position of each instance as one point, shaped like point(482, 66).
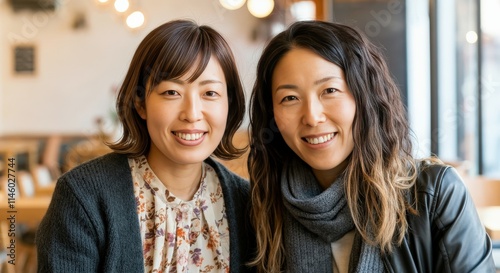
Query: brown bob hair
point(169, 52)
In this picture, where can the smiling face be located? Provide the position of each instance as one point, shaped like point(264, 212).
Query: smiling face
point(314, 111)
point(186, 120)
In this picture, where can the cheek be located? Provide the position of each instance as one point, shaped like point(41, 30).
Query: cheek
point(281, 120)
point(220, 114)
point(156, 127)
point(155, 116)
point(344, 114)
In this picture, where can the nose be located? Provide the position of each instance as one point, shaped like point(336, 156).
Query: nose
point(191, 109)
point(313, 113)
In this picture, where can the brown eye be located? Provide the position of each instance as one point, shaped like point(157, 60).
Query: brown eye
point(170, 93)
point(289, 98)
point(211, 94)
point(330, 90)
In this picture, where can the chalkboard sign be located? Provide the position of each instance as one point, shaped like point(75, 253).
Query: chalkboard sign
point(24, 59)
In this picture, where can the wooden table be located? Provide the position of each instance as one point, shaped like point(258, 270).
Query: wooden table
point(27, 211)
point(490, 217)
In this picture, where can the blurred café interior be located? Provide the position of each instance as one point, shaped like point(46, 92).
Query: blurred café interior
point(62, 61)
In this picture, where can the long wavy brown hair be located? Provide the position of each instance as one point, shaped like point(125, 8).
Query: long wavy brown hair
point(381, 168)
point(169, 52)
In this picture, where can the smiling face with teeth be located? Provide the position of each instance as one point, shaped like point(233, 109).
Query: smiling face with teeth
point(314, 111)
point(186, 119)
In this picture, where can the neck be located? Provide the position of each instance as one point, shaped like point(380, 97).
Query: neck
point(181, 180)
point(327, 177)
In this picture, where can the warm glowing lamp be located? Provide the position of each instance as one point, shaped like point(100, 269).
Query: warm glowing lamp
point(135, 19)
point(232, 4)
point(121, 5)
point(102, 3)
point(260, 8)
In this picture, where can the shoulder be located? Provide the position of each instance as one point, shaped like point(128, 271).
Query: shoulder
point(106, 173)
point(434, 178)
point(441, 188)
point(108, 166)
point(102, 185)
point(108, 163)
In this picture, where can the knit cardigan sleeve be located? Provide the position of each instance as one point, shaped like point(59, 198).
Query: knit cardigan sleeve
point(91, 224)
point(67, 240)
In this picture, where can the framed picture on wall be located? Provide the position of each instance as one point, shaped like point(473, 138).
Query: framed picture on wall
point(24, 59)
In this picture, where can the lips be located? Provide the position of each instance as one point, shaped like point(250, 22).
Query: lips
point(189, 136)
point(319, 139)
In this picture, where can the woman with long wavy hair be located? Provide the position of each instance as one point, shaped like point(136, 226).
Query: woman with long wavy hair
point(334, 184)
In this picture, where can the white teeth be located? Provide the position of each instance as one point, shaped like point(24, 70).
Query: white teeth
point(189, 136)
point(321, 139)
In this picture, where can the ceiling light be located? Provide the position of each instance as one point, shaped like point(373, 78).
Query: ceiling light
point(260, 8)
point(232, 4)
point(121, 5)
point(135, 19)
point(471, 37)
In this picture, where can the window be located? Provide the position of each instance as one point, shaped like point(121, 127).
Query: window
point(467, 111)
point(490, 87)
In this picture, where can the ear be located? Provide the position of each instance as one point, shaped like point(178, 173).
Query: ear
point(140, 108)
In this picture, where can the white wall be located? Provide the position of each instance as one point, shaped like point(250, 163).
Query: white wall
point(77, 68)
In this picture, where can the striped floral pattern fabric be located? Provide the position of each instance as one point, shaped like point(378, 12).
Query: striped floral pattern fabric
point(181, 236)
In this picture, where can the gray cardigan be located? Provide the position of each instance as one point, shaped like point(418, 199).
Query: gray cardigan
point(92, 225)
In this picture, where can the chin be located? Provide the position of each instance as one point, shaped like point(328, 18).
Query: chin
point(321, 165)
point(193, 159)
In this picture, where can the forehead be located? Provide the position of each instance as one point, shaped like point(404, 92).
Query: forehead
point(202, 65)
point(212, 69)
point(304, 64)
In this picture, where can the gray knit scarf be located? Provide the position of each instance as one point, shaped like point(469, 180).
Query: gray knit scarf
point(313, 219)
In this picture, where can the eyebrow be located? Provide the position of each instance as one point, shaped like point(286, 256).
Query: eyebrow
point(320, 81)
point(210, 81)
point(205, 82)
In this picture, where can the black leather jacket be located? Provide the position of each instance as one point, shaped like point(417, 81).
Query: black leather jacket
point(447, 235)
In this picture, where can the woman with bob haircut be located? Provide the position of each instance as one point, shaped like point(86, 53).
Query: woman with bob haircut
point(334, 185)
point(159, 202)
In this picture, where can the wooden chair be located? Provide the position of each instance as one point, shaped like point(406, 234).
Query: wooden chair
point(485, 191)
point(50, 155)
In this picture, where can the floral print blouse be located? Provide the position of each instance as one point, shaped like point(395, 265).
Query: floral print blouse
point(181, 236)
